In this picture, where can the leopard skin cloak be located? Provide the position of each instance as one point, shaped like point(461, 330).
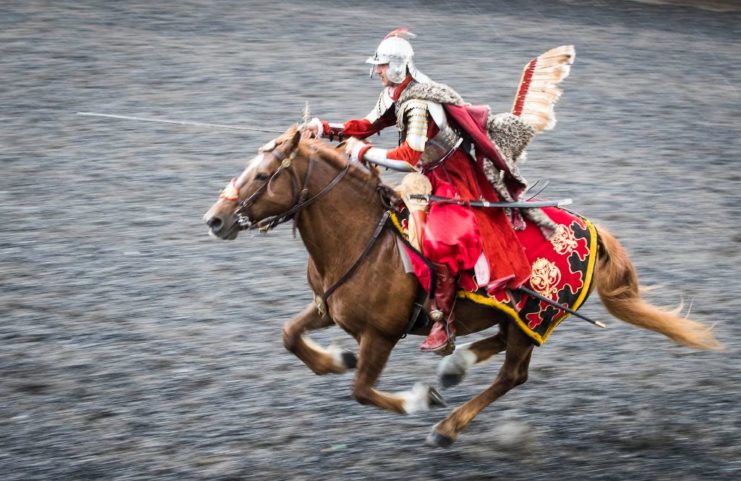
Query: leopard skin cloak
point(510, 137)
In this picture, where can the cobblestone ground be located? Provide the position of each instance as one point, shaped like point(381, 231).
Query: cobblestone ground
point(132, 346)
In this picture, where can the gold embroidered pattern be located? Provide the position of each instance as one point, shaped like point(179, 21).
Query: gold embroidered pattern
point(545, 277)
point(564, 241)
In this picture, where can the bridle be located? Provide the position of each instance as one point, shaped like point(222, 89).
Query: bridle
point(300, 191)
point(300, 201)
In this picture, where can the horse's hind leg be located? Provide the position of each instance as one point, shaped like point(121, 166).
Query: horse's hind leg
point(374, 352)
point(513, 373)
point(319, 360)
point(453, 368)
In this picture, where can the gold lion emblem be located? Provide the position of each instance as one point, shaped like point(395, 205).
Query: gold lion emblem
point(563, 240)
point(545, 277)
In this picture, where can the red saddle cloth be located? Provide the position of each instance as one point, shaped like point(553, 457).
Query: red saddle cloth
point(562, 270)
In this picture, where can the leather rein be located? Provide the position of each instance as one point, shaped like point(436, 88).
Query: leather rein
point(301, 202)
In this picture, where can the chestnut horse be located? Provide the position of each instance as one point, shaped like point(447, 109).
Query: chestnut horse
point(337, 208)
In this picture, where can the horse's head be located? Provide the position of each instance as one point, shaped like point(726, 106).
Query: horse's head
point(268, 187)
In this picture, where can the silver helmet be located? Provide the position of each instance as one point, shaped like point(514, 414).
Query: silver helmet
point(396, 51)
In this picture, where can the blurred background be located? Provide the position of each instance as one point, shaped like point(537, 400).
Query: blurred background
point(133, 346)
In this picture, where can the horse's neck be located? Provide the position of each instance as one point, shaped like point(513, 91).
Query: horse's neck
point(336, 228)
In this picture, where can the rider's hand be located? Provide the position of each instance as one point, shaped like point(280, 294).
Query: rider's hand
point(351, 144)
point(315, 126)
point(353, 147)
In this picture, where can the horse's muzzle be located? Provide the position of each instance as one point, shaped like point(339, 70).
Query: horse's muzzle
point(218, 227)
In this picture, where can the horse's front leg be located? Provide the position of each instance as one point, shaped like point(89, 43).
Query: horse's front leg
point(374, 352)
point(513, 373)
point(321, 361)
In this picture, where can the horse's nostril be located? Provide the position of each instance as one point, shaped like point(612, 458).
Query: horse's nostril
point(215, 223)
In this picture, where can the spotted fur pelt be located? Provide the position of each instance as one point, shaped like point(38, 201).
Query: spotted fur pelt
point(510, 134)
point(432, 91)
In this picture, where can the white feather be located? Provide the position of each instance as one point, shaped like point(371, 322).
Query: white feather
point(537, 92)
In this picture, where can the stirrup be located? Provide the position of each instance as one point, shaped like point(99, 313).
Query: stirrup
point(436, 315)
point(440, 340)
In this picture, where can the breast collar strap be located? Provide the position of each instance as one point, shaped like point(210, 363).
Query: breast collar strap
point(321, 301)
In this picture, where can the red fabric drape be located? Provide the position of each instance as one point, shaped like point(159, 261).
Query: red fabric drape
point(457, 235)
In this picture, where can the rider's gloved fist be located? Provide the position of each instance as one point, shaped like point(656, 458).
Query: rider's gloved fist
point(356, 148)
point(315, 126)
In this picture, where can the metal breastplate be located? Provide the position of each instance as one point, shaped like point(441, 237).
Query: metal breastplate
point(439, 148)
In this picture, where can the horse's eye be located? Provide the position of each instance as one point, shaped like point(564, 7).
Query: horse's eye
point(262, 176)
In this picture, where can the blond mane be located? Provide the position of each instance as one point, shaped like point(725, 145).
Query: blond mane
point(337, 159)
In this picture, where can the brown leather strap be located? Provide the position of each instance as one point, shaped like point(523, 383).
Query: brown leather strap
point(271, 222)
point(303, 192)
point(368, 246)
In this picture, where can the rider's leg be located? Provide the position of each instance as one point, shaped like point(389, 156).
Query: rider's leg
point(441, 339)
point(453, 242)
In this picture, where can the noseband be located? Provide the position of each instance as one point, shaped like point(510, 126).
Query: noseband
point(299, 199)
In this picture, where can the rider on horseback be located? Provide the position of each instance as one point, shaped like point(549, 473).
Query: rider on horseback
point(445, 139)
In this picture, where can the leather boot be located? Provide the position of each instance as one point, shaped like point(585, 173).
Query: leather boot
point(441, 339)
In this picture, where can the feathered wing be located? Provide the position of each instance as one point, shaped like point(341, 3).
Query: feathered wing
point(537, 92)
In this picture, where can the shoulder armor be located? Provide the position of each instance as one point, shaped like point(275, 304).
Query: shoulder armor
point(412, 120)
point(436, 111)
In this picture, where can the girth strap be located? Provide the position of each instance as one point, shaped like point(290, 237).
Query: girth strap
point(418, 317)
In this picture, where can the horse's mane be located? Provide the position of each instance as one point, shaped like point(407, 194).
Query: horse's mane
point(368, 180)
point(337, 159)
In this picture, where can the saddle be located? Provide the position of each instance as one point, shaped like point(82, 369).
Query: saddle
point(562, 270)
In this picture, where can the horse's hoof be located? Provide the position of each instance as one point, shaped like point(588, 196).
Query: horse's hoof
point(421, 397)
point(435, 398)
point(437, 440)
point(452, 370)
point(450, 380)
point(349, 359)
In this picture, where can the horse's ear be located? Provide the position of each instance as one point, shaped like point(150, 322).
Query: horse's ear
point(290, 139)
point(295, 140)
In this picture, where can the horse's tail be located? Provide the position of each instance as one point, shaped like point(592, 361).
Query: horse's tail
point(617, 284)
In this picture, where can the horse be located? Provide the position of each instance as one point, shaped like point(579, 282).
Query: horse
point(336, 206)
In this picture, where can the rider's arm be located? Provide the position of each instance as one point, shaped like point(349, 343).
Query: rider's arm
point(410, 151)
point(359, 128)
point(383, 115)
